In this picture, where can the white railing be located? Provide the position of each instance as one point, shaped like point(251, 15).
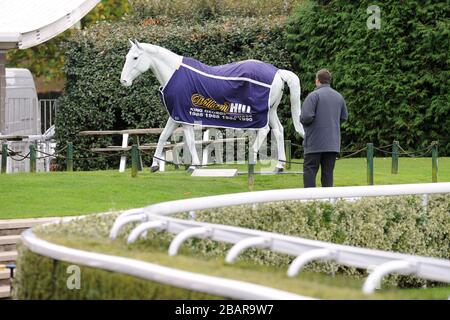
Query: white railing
point(169, 276)
point(378, 263)
point(49, 109)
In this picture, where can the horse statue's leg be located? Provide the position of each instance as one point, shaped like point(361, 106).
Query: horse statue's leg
point(278, 133)
point(165, 135)
point(190, 142)
point(275, 124)
point(261, 135)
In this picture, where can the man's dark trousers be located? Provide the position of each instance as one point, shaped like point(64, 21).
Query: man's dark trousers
point(326, 161)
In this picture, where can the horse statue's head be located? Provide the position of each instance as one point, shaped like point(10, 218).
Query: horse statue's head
point(136, 62)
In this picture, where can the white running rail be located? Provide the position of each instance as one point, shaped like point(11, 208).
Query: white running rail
point(169, 276)
point(378, 263)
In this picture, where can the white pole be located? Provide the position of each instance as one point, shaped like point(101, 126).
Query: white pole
point(2, 92)
point(123, 159)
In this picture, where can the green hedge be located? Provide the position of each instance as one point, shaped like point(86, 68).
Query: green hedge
point(396, 80)
point(399, 224)
point(94, 99)
point(199, 10)
point(42, 278)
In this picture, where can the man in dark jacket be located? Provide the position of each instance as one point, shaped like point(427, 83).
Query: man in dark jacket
point(323, 111)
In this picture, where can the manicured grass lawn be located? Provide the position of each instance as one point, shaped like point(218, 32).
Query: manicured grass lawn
point(61, 193)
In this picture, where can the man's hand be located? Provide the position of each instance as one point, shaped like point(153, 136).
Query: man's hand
point(300, 130)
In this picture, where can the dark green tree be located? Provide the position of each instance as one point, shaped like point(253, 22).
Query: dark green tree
point(396, 79)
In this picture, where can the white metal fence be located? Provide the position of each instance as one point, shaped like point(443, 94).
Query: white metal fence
point(177, 278)
point(378, 263)
point(17, 163)
point(23, 121)
point(49, 109)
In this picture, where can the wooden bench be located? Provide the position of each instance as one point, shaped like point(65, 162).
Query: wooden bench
point(122, 132)
point(206, 143)
point(125, 140)
point(153, 146)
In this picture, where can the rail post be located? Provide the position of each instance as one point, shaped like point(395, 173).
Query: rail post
point(136, 142)
point(32, 158)
point(370, 163)
point(140, 166)
point(394, 167)
point(434, 161)
point(251, 169)
point(69, 157)
point(288, 147)
point(134, 161)
point(176, 159)
point(4, 157)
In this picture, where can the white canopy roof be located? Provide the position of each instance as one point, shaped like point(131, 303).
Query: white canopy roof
point(26, 23)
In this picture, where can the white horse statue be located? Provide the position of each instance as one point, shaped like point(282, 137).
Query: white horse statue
point(243, 95)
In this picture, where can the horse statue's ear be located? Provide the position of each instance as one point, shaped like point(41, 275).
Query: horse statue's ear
point(137, 44)
point(131, 42)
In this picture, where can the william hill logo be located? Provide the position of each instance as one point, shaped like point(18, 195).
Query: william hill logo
point(227, 107)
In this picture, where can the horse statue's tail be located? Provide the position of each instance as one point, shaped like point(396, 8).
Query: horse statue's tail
point(294, 86)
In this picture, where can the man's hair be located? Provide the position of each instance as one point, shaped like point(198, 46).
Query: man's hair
point(324, 76)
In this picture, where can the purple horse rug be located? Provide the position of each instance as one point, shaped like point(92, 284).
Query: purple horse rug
point(234, 95)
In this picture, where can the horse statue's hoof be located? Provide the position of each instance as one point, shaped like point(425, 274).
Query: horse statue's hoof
point(278, 170)
point(190, 169)
point(154, 168)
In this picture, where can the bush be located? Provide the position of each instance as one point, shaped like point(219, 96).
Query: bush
point(200, 10)
point(42, 278)
point(94, 99)
point(396, 80)
point(399, 224)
